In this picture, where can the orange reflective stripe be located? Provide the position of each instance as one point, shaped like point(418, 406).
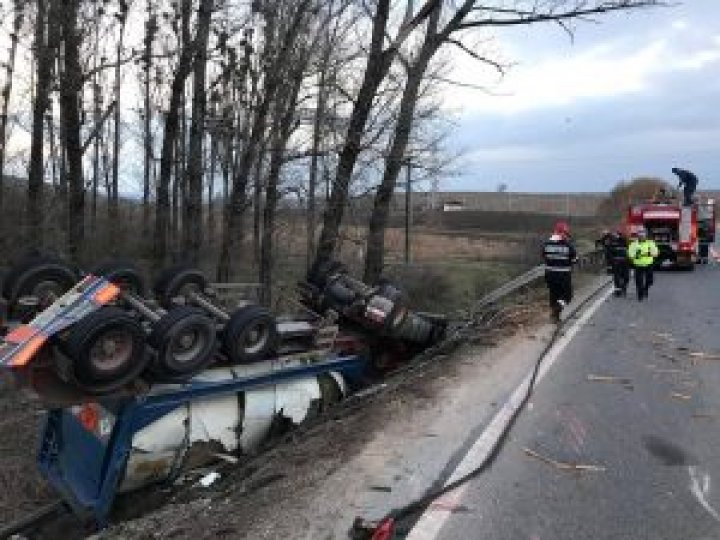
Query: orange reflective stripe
point(107, 294)
point(29, 350)
point(20, 334)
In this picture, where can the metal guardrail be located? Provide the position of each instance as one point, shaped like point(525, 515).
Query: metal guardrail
point(591, 258)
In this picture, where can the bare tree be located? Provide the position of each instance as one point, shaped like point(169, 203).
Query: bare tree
point(18, 18)
point(70, 88)
point(192, 220)
point(167, 156)
point(151, 28)
point(275, 57)
point(46, 38)
point(379, 61)
point(469, 15)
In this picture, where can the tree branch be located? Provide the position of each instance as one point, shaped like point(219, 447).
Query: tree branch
point(497, 65)
point(534, 17)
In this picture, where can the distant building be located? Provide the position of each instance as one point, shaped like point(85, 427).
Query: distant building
point(453, 206)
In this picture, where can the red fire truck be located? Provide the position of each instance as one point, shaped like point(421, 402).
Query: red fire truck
point(673, 227)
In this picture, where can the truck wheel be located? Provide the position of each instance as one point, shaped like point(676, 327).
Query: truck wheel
point(43, 277)
point(250, 335)
point(106, 348)
point(124, 274)
point(185, 340)
point(178, 280)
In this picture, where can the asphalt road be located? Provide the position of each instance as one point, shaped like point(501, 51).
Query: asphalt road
point(633, 396)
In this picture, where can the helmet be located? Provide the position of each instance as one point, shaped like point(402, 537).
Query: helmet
point(562, 228)
point(642, 233)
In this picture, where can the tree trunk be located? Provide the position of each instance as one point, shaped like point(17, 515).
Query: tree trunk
point(19, 8)
point(113, 202)
point(318, 121)
point(192, 222)
point(214, 143)
point(167, 156)
point(258, 203)
point(375, 252)
point(147, 126)
point(281, 133)
point(97, 115)
point(45, 37)
point(70, 87)
point(377, 66)
point(232, 229)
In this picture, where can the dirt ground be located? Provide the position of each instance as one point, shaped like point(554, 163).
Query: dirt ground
point(21, 486)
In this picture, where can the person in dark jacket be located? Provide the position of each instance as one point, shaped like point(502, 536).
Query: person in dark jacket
point(620, 263)
point(559, 255)
point(688, 182)
point(604, 243)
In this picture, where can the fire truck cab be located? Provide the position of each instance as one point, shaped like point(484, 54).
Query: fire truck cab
point(673, 227)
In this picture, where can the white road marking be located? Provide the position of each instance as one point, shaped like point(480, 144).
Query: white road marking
point(431, 522)
point(702, 490)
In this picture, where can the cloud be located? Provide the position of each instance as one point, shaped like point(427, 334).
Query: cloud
point(607, 69)
point(635, 99)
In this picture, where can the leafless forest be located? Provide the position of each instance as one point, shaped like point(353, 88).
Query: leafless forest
point(200, 130)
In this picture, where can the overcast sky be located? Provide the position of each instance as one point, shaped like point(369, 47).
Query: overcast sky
point(635, 95)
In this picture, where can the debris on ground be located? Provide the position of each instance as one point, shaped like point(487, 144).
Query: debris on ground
point(608, 379)
point(669, 370)
point(704, 355)
point(623, 381)
point(678, 395)
point(562, 465)
point(209, 479)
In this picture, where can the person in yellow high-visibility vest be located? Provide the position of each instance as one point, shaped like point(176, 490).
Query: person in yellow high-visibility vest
point(642, 253)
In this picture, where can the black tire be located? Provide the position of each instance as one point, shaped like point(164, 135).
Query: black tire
point(250, 335)
point(43, 276)
point(175, 281)
point(124, 274)
point(185, 342)
point(94, 367)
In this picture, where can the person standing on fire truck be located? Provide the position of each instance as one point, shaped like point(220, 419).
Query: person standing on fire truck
point(688, 182)
point(559, 255)
point(642, 253)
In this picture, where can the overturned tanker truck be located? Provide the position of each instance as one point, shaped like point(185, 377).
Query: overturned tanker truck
point(138, 387)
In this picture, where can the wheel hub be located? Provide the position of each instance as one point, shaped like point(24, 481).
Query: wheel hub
point(111, 351)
